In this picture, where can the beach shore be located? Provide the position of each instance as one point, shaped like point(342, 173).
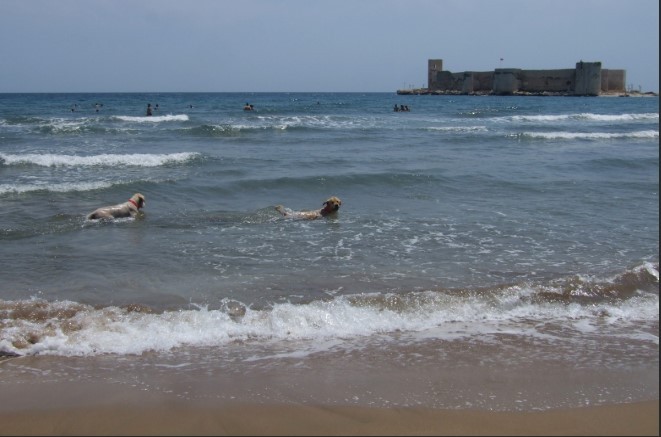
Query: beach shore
point(174, 419)
point(326, 394)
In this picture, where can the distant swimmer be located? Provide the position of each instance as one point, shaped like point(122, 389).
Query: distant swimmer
point(248, 107)
point(149, 110)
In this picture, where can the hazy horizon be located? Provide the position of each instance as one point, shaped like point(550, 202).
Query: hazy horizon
point(311, 46)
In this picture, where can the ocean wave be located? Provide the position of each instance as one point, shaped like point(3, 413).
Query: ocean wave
point(459, 128)
point(291, 122)
point(646, 134)
point(210, 130)
point(36, 326)
point(317, 121)
point(103, 160)
point(230, 128)
point(584, 117)
point(153, 118)
point(56, 125)
point(56, 188)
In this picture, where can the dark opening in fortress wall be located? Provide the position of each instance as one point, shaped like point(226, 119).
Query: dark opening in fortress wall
point(586, 79)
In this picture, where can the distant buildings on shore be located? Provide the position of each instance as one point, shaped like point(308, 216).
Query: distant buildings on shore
point(587, 79)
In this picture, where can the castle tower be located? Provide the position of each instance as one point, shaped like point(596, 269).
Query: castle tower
point(434, 66)
point(588, 79)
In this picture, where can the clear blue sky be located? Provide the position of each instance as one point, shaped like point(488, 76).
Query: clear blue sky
point(311, 45)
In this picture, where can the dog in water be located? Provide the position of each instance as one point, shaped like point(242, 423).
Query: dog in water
point(330, 207)
point(129, 208)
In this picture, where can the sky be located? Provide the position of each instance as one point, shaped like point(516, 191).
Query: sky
point(311, 45)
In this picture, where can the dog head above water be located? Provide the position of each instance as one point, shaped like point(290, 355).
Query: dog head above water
point(138, 200)
point(331, 205)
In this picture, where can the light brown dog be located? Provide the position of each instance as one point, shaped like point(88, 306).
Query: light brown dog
point(129, 208)
point(330, 207)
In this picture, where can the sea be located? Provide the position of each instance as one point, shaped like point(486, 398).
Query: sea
point(490, 252)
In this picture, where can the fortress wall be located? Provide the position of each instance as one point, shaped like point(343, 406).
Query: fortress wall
point(482, 81)
point(477, 81)
point(468, 83)
point(444, 80)
point(588, 78)
point(464, 82)
point(506, 80)
point(536, 81)
point(604, 79)
point(613, 81)
point(510, 80)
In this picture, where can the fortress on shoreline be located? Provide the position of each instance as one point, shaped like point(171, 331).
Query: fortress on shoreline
point(587, 79)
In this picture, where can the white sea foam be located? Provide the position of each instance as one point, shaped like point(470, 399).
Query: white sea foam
point(107, 160)
point(649, 268)
point(66, 125)
point(153, 118)
point(459, 128)
point(647, 134)
point(284, 122)
point(113, 330)
point(585, 117)
point(57, 188)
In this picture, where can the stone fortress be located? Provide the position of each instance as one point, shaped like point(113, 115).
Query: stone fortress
point(587, 79)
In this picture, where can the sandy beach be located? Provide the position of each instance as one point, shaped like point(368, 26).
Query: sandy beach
point(101, 405)
point(328, 394)
point(627, 419)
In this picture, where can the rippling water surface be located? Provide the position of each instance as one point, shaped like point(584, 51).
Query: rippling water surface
point(461, 220)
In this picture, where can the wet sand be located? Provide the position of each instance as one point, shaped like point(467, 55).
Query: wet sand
point(172, 419)
point(49, 405)
point(369, 391)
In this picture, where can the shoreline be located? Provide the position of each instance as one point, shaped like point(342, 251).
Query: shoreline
point(641, 418)
point(117, 399)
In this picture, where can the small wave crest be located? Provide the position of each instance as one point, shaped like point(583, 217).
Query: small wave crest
point(104, 160)
point(285, 122)
point(57, 188)
point(36, 326)
point(647, 134)
point(153, 118)
point(459, 128)
point(585, 117)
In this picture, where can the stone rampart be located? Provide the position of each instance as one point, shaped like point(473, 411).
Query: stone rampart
point(586, 79)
